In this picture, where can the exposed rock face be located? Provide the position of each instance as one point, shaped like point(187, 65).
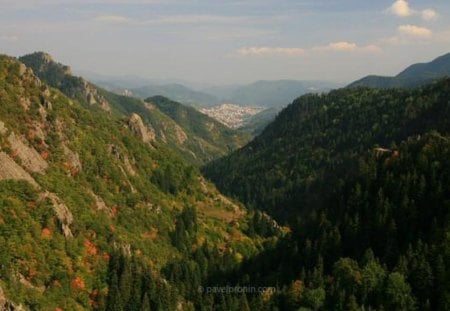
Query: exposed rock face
point(73, 161)
point(39, 131)
point(92, 96)
point(180, 134)
point(11, 170)
point(60, 76)
point(99, 203)
point(3, 129)
point(31, 159)
point(63, 214)
point(137, 127)
point(7, 305)
point(25, 103)
point(119, 155)
point(22, 69)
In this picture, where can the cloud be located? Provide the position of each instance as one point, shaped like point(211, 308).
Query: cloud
point(187, 19)
point(9, 38)
point(415, 31)
point(111, 19)
point(429, 15)
point(342, 46)
point(195, 19)
point(401, 8)
point(270, 51)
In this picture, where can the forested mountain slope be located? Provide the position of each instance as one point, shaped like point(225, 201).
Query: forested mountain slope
point(94, 214)
point(363, 178)
point(199, 124)
point(414, 75)
point(319, 134)
point(196, 147)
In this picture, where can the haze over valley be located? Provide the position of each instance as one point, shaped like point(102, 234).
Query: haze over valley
point(233, 155)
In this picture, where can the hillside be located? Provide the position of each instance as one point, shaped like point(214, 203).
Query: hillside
point(414, 75)
point(94, 214)
point(362, 177)
point(258, 122)
point(195, 146)
point(178, 93)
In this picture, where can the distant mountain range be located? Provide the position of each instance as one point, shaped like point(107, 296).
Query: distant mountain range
point(178, 93)
point(414, 75)
point(275, 94)
point(268, 94)
point(196, 144)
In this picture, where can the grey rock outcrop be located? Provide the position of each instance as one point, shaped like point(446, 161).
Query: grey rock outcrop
point(137, 127)
point(73, 160)
point(93, 97)
point(119, 155)
point(63, 213)
point(7, 305)
point(30, 158)
point(100, 204)
point(11, 170)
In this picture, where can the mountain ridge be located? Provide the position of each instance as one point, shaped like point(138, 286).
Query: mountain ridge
point(197, 149)
point(412, 76)
point(82, 194)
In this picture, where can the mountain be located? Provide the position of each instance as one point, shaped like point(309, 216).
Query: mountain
point(213, 134)
point(412, 76)
point(198, 147)
point(258, 122)
point(95, 214)
point(178, 93)
point(362, 177)
point(274, 94)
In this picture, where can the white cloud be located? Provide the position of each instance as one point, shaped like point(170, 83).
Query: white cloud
point(429, 15)
point(111, 19)
point(342, 46)
point(401, 8)
point(415, 31)
point(9, 38)
point(271, 51)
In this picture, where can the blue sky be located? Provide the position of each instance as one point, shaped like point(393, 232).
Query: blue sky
point(226, 42)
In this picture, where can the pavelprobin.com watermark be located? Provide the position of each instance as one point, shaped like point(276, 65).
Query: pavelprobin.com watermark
point(235, 289)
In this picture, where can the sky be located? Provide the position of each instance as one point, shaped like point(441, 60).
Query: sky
point(229, 41)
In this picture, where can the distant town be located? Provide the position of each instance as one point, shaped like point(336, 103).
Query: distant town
point(231, 115)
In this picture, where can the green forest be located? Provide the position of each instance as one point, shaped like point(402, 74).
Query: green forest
point(108, 202)
point(362, 177)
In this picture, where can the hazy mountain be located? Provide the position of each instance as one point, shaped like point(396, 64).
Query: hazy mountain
point(178, 93)
point(258, 122)
point(412, 76)
point(275, 94)
point(197, 147)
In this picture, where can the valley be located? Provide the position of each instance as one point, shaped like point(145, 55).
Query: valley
point(140, 202)
point(216, 155)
